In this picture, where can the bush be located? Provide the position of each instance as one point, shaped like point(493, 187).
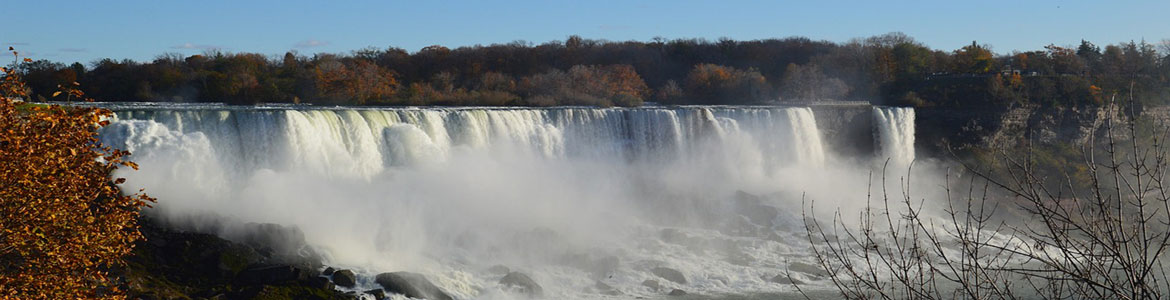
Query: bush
point(63, 221)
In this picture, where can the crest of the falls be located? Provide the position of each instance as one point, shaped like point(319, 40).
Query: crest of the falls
point(895, 134)
point(450, 191)
point(362, 143)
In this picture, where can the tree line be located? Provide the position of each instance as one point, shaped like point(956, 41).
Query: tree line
point(890, 69)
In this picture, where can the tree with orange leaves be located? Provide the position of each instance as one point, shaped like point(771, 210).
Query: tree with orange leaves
point(63, 221)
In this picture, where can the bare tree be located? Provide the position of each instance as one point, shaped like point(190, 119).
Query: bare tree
point(1106, 239)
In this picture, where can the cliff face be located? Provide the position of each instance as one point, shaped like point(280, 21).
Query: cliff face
point(939, 129)
point(846, 130)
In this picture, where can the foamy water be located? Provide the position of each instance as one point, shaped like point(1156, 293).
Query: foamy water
point(569, 196)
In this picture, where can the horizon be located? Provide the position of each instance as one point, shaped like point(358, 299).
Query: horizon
point(86, 33)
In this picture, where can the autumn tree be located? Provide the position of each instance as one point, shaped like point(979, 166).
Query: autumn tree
point(974, 58)
point(587, 85)
point(807, 82)
point(63, 221)
point(716, 84)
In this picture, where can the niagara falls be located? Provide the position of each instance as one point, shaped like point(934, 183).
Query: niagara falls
point(523, 150)
point(572, 196)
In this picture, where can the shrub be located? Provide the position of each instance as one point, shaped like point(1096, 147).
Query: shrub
point(63, 221)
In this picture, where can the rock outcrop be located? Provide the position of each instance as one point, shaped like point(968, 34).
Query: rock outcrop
point(412, 285)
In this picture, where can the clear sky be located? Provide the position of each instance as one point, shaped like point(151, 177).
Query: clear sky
point(69, 31)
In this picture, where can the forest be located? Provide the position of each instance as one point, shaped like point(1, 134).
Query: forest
point(889, 69)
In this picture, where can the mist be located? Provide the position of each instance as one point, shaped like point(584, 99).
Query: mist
point(570, 196)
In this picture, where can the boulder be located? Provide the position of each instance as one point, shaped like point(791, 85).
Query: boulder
point(378, 294)
point(283, 244)
point(271, 275)
point(652, 284)
point(596, 264)
point(412, 285)
point(523, 283)
point(669, 274)
point(328, 271)
point(781, 279)
point(673, 236)
point(319, 283)
point(499, 269)
point(345, 278)
point(605, 289)
point(677, 292)
point(807, 269)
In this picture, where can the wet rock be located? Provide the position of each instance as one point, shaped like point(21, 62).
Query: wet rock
point(807, 269)
point(781, 279)
point(652, 284)
point(669, 274)
point(499, 269)
point(320, 283)
point(274, 274)
point(412, 285)
point(328, 271)
point(378, 294)
point(677, 292)
point(605, 289)
point(283, 244)
point(595, 264)
point(673, 236)
point(345, 278)
point(523, 283)
point(753, 208)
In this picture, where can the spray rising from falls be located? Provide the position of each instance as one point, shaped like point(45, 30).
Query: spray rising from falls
point(572, 196)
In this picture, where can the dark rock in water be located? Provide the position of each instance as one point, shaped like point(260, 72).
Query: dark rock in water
point(412, 285)
point(652, 284)
point(320, 283)
point(673, 236)
point(595, 264)
point(807, 269)
point(747, 198)
point(522, 282)
point(273, 235)
point(378, 294)
point(606, 289)
point(753, 207)
point(669, 274)
point(499, 269)
point(677, 292)
point(762, 215)
point(328, 271)
point(781, 279)
point(276, 274)
point(281, 243)
point(345, 278)
point(174, 264)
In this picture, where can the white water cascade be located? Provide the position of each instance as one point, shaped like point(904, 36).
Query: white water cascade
point(895, 134)
point(449, 192)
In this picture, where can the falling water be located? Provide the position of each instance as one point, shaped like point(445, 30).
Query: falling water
point(895, 134)
point(451, 191)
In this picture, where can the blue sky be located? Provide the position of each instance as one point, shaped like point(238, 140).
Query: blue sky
point(69, 31)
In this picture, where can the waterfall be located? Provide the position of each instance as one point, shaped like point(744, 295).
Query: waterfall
point(895, 134)
point(451, 191)
point(362, 143)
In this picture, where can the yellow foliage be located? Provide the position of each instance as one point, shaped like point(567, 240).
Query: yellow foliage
point(63, 222)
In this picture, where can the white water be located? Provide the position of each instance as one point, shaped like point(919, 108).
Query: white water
point(451, 192)
point(895, 133)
